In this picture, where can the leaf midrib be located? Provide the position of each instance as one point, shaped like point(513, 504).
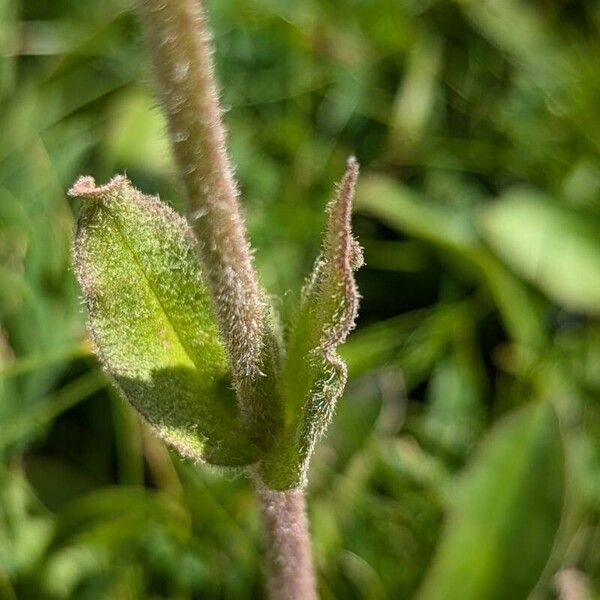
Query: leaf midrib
point(152, 289)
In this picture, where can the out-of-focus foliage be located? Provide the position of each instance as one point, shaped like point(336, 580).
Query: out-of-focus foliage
point(508, 508)
point(477, 124)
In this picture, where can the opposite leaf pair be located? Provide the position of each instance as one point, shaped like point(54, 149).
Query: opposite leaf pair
point(155, 329)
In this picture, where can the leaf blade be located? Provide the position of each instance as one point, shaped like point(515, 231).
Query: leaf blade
point(314, 375)
point(151, 320)
point(501, 531)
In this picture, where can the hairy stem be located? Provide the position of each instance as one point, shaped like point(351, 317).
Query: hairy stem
point(178, 38)
point(180, 46)
point(289, 568)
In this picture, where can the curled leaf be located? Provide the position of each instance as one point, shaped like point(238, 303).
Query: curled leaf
point(314, 376)
point(151, 320)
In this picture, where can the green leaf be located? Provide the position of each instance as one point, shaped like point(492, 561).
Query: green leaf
point(151, 320)
point(555, 247)
point(507, 509)
point(314, 376)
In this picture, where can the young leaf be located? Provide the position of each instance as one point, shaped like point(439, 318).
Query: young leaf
point(151, 320)
point(507, 511)
point(314, 375)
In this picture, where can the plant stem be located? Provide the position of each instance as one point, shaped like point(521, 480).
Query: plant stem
point(179, 42)
point(180, 45)
point(289, 568)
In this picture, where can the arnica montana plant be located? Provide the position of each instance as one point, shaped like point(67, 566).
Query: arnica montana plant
point(181, 324)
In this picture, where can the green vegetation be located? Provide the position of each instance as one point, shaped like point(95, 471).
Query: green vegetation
point(464, 459)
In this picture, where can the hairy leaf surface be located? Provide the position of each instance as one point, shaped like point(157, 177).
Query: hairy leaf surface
point(314, 375)
point(151, 320)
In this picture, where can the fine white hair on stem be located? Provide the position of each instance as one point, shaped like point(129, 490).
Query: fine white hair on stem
point(289, 569)
point(180, 46)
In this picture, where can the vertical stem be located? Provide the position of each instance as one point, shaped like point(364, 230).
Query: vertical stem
point(180, 46)
point(289, 569)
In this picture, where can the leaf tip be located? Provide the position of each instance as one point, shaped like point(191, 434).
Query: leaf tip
point(339, 212)
point(352, 163)
point(85, 187)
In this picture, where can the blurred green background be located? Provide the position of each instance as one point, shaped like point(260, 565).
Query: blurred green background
point(464, 461)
